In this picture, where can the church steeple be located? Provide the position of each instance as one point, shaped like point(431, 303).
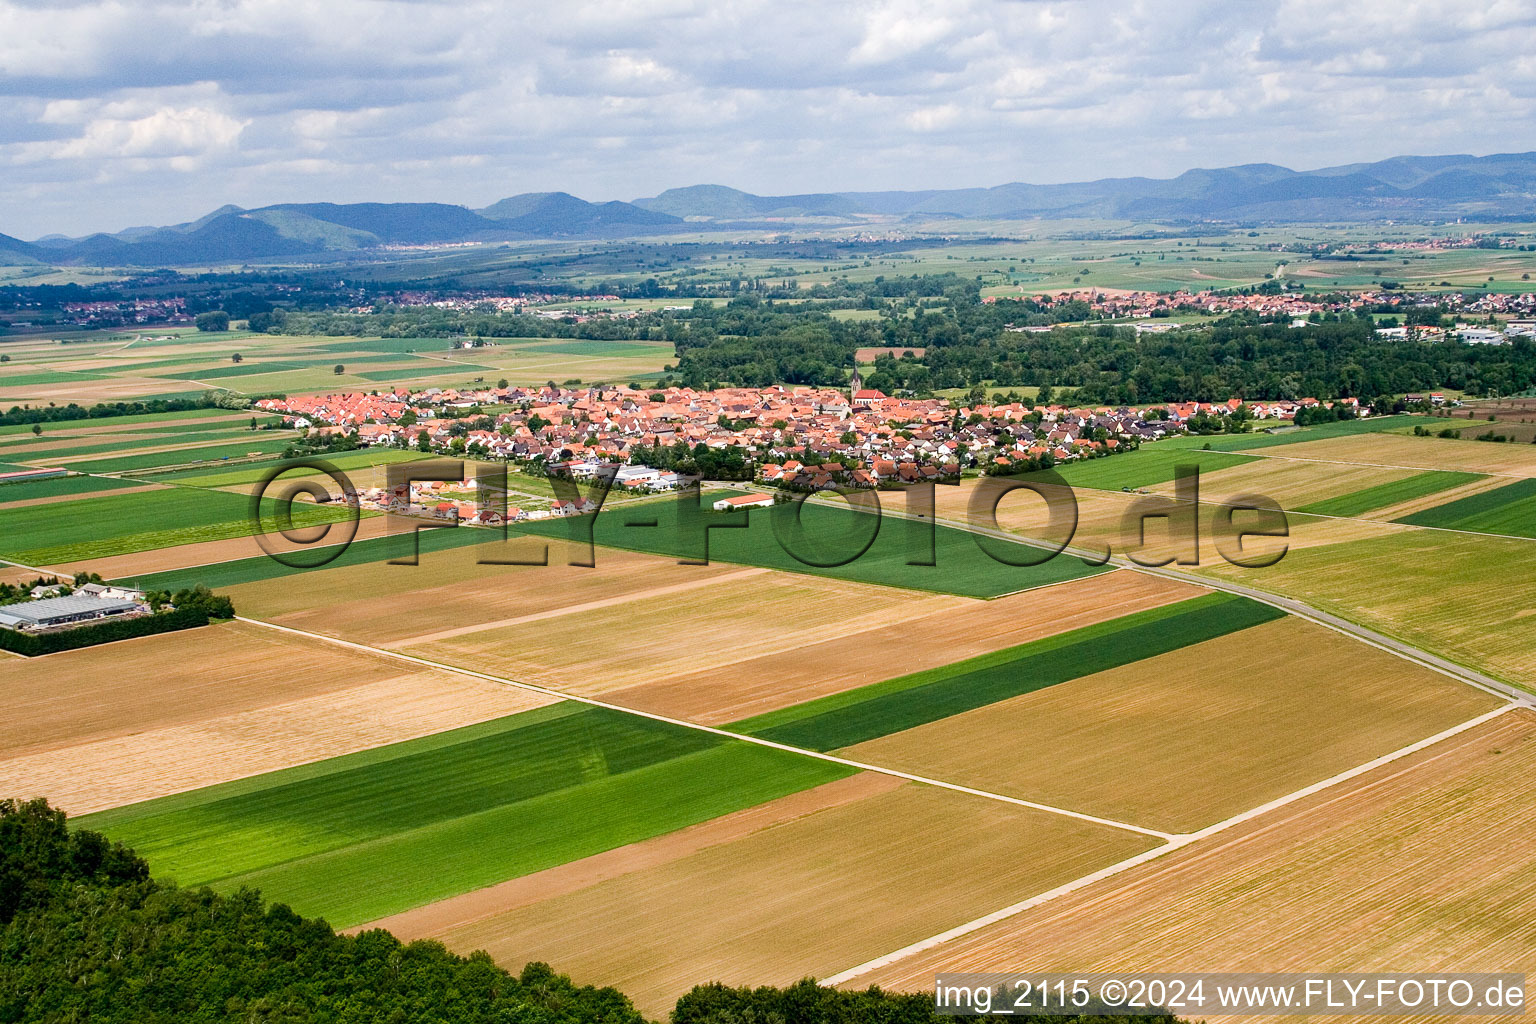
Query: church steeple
point(855, 383)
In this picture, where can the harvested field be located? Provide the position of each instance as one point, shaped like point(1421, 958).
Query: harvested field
point(1199, 724)
point(1418, 453)
point(757, 910)
point(229, 700)
point(775, 680)
point(908, 701)
point(99, 774)
point(380, 603)
point(745, 613)
point(1424, 864)
point(871, 353)
point(1292, 484)
point(1463, 596)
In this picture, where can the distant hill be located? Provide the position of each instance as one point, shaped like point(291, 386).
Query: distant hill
point(717, 202)
point(560, 213)
point(1501, 186)
point(15, 251)
point(1440, 187)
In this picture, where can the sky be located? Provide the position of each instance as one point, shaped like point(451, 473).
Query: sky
point(131, 112)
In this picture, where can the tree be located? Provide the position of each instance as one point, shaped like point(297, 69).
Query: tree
point(213, 320)
point(423, 442)
point(502, 383)
point(237, 358)
point(338, 369)
point(37, 429)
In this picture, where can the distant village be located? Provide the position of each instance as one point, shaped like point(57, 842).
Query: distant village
point(796, 438)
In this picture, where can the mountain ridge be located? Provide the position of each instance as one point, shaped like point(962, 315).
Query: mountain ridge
point(1499, 186)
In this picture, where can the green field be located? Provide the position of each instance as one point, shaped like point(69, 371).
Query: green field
point(261, 443)
point(120, 523)
point(843, 719)
point(678, 527)
point(161, 421)
point(97, 444)
point(1145, 467)
point(358, 837)
point(1508, 510)
point(1384, 495)
point(26, 490)
point(344, 461)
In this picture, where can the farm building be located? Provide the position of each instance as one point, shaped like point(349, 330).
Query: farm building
point(743, 501)
point(63, 611)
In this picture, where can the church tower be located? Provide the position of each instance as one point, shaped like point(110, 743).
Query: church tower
point(855, 383)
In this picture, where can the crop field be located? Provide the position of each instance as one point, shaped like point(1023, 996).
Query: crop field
point(174, 361)
point(1198, 723)
point(1463, 596)
point(755, 685)
point(229, 700)
point(730, 616)
point(1390, 494)
point(60, 487)
point(908, 701)
point(1261, 438)
point(347, 462)
point(1109, 521)
point(1355, 893)
point(364, 835)
point(1420, 453)
point(376, 602)
point(825, 535)
point(118, 523)
point(257, 444)
point(1509, 511)
point(1292, 484)
point(756, 910)
point(1145, 467)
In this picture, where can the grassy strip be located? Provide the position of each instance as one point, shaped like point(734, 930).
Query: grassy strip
point(842, 720)
point(1385, 495)
point(358, 837)
point(1509, 510)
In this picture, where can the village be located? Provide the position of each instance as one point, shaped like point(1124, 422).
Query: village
point(793, 438)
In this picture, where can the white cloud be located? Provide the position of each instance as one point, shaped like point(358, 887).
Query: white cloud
point(469, 101)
